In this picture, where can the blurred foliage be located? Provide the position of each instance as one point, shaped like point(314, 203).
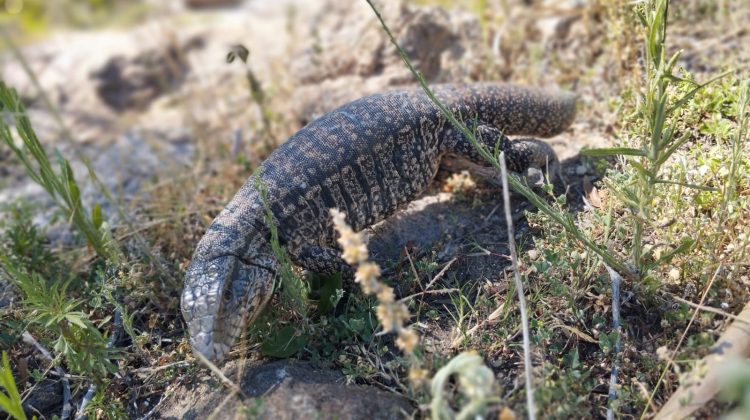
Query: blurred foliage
point(29, 18)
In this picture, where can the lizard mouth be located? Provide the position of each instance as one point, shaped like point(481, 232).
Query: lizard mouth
point(221, 296)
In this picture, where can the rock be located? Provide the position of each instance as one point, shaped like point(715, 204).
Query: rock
point(134, 82)
point(352, 56)
point(47, 397)
point(282, 390)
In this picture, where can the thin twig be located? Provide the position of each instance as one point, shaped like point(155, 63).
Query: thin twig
point(413, 268)
point(440, 273)
point(216, 371)
point(612, 395)
point(519, 290)
point(67, 406)
point(181, 363)
point(429, 292)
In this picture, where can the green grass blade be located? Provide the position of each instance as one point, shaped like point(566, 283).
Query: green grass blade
point(10, 403)
point(687, 185)
point(673, 148)
point(613, 151)
point(682, 101)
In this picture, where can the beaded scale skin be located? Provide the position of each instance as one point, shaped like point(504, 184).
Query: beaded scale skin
point(368, 158)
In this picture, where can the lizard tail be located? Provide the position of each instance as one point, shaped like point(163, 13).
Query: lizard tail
point(519, 110)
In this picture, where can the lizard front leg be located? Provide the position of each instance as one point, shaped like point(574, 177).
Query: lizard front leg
point(520, 154)
point(321, 260)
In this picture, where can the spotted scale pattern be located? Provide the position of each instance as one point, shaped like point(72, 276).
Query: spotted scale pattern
point(368, 158)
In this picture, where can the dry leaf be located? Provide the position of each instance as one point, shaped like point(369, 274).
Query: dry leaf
point(592, 193)
point(506, 414)
point(580, 334)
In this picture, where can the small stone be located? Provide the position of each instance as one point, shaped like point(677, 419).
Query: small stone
point(533, 254)
point(662, 353)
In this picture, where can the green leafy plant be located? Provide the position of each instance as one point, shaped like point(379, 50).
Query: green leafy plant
point(46, 292)
point(330, 290)
point(10, 401)
point(657, 106)
point(24, 242)
point(286, 342)
point(61, 186)
point(52, 308)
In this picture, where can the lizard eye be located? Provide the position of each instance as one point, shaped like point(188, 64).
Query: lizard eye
point(227, 295)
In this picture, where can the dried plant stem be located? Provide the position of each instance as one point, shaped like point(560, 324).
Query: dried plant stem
point(612, 394)
point(219, 374)
point(519, 289)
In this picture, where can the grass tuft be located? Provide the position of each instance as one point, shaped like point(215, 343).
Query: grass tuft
point(61, 186)
point(10, 402)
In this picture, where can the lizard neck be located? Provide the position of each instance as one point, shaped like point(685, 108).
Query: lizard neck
point(239, 230)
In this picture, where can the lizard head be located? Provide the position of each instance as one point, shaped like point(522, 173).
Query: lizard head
point(221, 296)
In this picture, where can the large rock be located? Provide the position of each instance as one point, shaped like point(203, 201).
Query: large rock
point(134, 82)
point(282, 390)
point(351, 55)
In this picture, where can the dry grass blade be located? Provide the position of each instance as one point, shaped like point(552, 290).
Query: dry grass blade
point(440, 274)
point(612, 394)
point(519, 289)
point(219, 374)
point(429, 292)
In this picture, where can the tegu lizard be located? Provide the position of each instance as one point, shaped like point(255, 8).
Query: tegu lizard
point(368, 158)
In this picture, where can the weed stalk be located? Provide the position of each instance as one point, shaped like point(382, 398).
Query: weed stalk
point(659, 143)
